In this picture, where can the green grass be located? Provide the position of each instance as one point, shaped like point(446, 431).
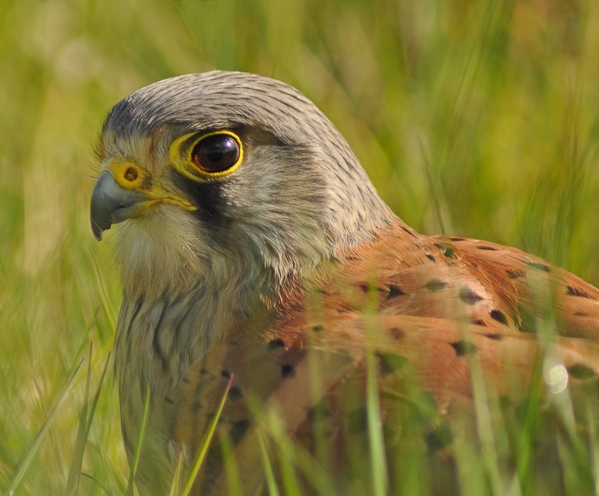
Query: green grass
point(471, 117)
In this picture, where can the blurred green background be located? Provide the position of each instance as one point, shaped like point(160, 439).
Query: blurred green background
point(471, 117)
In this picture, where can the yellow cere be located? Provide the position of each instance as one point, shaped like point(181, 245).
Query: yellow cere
point(127, 174)
point(186, 166)
point(131, 176)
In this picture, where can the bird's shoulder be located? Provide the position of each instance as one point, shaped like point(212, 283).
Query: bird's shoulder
point(473, 281)
point(429, 299)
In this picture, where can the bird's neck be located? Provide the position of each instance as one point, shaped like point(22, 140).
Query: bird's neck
point(180, 301)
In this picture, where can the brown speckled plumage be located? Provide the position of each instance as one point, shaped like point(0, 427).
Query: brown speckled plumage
point(288, 272)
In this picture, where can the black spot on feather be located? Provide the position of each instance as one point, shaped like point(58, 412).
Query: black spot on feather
point(457, 238)
point(396, 332)
point(463, 348)
point(515, 274)
point(577, 292)
point(275, 344)
point(486, 248)
point(318, 328)
point(539, 266)
point(431, 257)
point(469, 296)
point(448, 252)
point(287, 370)
point(370, 288)
point(438, 439)
point(390, 362)
point(235, 394)
point(394, 292)
point(499, 316)
point(239, 429)
point(581, 371)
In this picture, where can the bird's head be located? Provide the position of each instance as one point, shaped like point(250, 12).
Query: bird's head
point(227, 173)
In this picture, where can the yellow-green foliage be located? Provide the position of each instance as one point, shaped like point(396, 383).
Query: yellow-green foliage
point(478, 118)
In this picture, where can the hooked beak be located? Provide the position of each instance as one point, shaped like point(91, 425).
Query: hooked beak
point(121, 193)
point(111, 203)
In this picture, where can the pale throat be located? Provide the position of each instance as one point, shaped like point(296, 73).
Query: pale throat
point(179, 298)
point(166, 254)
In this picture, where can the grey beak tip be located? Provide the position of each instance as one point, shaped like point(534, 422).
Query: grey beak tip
point(97, 230)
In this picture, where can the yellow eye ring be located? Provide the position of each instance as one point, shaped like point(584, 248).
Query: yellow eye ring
point(211, 155)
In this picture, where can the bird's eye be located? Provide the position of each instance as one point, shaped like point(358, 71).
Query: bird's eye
point(216, 153)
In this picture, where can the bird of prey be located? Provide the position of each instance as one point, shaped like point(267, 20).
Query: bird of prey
point(254, 249)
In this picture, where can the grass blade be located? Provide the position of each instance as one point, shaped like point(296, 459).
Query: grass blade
point(77, 457)
point(142, 431)
point(28, 457)
point(85, 422)
point(201, 454)
point(271, 481)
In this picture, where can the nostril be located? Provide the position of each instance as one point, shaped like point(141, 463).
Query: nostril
point(130, 174)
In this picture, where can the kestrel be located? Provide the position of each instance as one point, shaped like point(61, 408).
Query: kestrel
point(253, 247)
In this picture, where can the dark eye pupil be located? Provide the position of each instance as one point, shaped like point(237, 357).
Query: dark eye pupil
point(216, 153)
